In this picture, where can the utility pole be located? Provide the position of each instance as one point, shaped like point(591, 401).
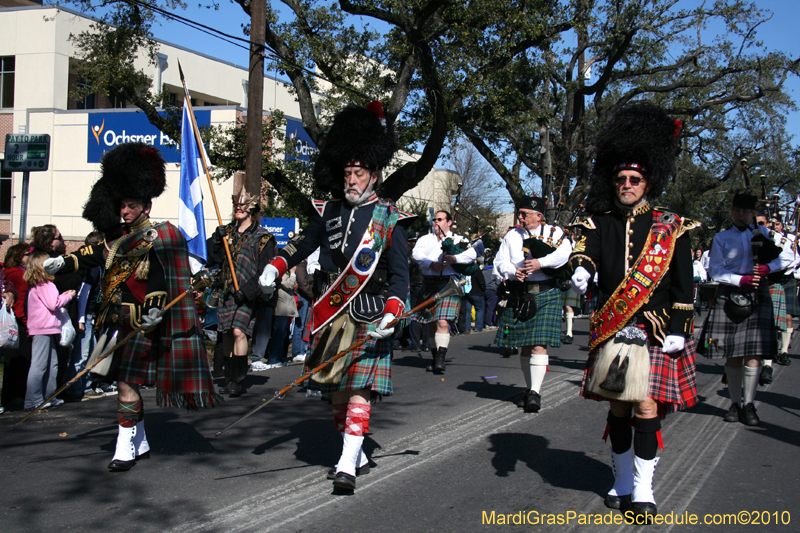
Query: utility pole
point(255, 98)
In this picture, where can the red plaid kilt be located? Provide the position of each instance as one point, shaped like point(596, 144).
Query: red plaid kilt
point(368, 367)
point(445, 309)
point(673, 381)
point(778, 296)
point(722, 337)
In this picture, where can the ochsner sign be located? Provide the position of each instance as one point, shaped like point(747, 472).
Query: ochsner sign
point(107, 130)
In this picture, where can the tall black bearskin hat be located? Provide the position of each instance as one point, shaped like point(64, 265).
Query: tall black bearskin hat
point(132, 170)
point(640, 136)
point(358, 137)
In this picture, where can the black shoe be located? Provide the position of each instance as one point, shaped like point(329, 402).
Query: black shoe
point(121, 466)
point(438, 361)
point(521, 400)
point(236, 389)
point(568, 339)
point(360, 471)
point(646, 509)
point(142, 457)
point(227, 388)
point(783, 359)
point(508, 352)
point(344, 481)
point(533, 402)
point(749, 416)
point(733, 413)
point(766, 376)
point(618, 502)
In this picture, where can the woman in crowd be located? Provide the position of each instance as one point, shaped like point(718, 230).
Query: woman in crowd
point(17, 361)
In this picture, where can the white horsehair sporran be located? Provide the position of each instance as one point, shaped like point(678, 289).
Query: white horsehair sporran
point(622, 368)
point(339, 337)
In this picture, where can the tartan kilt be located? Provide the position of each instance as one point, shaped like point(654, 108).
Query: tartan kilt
point(138, 361)
point(572, 299)
point(445, 309)
point(722, 338)
point(544, 329)
point(778, 296)
point(368, 367)
point(230, 315)
point(792, 305)
point(672, 383)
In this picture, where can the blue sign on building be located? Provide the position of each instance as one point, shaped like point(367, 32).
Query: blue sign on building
point(280, 227)
point(107, 130)
point(304, 147)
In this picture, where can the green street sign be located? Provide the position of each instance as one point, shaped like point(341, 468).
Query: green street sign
point(27, 152)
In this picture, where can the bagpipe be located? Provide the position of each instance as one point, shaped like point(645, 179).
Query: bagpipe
point(538, 246)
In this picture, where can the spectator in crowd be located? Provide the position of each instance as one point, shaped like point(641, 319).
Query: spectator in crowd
point(44, 326)
point(489, 315)
point(84, 338)
point(700, 276)
point(48, 239)
point(474, 299)
point(17, 361)
point(285, 309)
point(303, 291)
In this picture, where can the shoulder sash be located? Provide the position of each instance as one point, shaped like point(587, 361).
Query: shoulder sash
point(645, 275)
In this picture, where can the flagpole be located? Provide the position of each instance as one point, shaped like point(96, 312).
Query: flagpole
point(208, 175)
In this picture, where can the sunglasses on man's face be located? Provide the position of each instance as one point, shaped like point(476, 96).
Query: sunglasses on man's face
point(440, 219)
point(635, 180)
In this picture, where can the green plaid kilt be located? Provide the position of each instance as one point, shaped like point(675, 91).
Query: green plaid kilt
point(722, 337)
point(445, 309)
point(778, 296)
point(792, 305)
point(544, 329)
point(230, 315)
point(673, 381)
point(368, 367)
point(572, 299)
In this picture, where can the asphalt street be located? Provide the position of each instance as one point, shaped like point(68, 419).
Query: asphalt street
point(447, 452)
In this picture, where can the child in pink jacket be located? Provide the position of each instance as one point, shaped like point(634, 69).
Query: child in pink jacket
point(44, 326)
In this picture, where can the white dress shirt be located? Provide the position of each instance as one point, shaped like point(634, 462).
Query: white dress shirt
point(731, 256)
point(429, 250)
point(510, 256)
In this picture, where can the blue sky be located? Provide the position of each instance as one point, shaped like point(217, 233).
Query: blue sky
point(779, 33)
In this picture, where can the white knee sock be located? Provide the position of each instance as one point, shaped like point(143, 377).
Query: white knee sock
point(734, 374)
point(539, 364)
point(570, 318)
point(786, 337)
point(750, 383)
point(442, 340)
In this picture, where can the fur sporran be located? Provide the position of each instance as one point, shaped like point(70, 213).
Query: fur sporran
point(336, 337)
point(622, 368)
point(107, 368)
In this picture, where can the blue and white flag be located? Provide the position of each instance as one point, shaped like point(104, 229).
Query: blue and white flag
point(190, 213)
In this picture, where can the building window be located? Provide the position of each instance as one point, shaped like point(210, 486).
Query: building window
point(88, 101)
point(7, 81)
point(5, 192)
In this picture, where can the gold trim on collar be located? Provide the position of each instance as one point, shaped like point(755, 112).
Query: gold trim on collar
point(633, 212)
point(145, 224)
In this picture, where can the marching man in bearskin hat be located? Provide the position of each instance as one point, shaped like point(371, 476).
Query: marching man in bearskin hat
point(146, 266)
point(642, 358)
point(364, 266)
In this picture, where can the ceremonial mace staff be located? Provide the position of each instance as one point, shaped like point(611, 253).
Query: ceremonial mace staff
point(453, 288)
point(201, 280)
point(208, 175)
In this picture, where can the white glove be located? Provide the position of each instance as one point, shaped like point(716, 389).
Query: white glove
point(382, 331)
point(267, 280)
point(152, 318)
point(53, 264)
point(674, 343)
point(580, 280)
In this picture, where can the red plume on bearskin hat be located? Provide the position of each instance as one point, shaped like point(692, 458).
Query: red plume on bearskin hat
point(131, 170)
point(639, 136)
point(359, 136)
